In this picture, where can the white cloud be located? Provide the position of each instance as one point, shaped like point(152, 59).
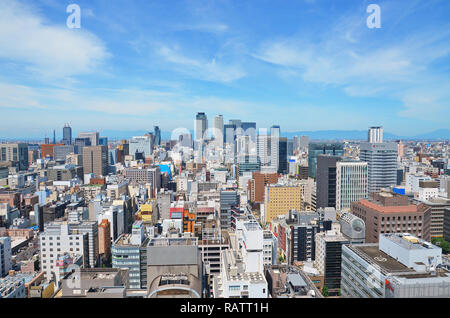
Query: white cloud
point(52, 51)
point(362, 67)
point(210, 70)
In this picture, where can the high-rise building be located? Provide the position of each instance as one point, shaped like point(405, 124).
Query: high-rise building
point(157, 136)
point(201, 126)
point(256, 185)
point(93, 137)
point(104, 239)
point(375, 135)
point(263, 149)
point(326, 180)
point(328, 258)
point(282, 155)
point(95, 160)
point(229, 133)
point(315, 149)
point(67, 135)
point(17, 154)
point(382, 164)
point(79, 238)
point(279, 199)
point(351, 183)
point(249, 129)
point(218, 130)
point(141, 145)
point(275, 147)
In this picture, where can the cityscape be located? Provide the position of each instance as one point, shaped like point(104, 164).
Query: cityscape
point(138, 196)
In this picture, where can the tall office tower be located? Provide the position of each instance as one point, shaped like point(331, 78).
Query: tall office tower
point(201, 125)
point(263, 149)
point(95, 160)
point(382, 162)
point(375, 135)
point(237, 123)
point(291, 146)
point(326, 180)
point(282, 155)
point(303, 143)
point(54, 136)
point(103, 141)
point(351, 183)
point(275, 147)
point(93, 137)
point(185, 140)
point(17, 154)
point(229, 133)
point(218, 130)
point(315, 149)
point(328, 258)
point(140, 144)
point(244, 146)
point(67, 135)
point(157, 136)
point(46, 140)
point(249, 129)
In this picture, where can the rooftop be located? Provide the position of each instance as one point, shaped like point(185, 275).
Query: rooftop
point(372, 254)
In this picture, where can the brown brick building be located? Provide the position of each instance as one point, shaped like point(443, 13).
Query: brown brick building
point(104, 239)
point(392, 213)
point(257, 184)
point(47, 150)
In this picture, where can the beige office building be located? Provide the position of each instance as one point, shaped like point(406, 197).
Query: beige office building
point(279, 199)
point(95, 160)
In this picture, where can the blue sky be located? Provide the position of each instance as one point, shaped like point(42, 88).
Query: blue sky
point(302, 64)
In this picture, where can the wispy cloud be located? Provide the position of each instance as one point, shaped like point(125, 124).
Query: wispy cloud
point(212, 69)
point(46, 49)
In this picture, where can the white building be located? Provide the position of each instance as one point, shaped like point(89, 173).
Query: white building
point(351, 183)
point(143, 144)
point(242, 266)
point(270, 248)
point(412, 181)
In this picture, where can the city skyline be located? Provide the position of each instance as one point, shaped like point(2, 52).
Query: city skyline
point(172, 60)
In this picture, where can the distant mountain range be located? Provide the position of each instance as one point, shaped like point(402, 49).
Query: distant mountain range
point(437, 135)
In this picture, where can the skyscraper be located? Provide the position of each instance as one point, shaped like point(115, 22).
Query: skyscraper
point(381, 158)
point(326, 180)
point(315, 149)
point(218, 130)
point(201, 125)
point(157, 136)
point(382, 164)
point(263, 149)
point(351, 183)
point(93, 136)
point(275, 147)
point(375, 135)
point(282, 155)
point(95, 160)
point(67, 135)
point(249, 129)
point(141, 144)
